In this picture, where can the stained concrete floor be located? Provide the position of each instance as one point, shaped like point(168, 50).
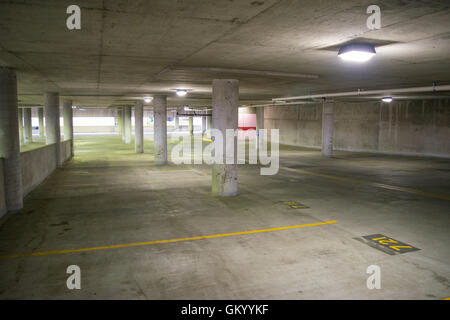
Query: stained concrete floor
point(108, 195)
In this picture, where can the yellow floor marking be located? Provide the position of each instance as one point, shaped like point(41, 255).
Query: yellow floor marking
point(207, 140)
point(148, 171)
point(169, 171)
point(373, 184)
point(81, 185)
point(177, 180)
point(138, 244)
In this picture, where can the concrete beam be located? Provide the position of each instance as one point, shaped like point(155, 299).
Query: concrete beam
point(9, 140)
point(160, 128)
point(139, 127)
point(52, 127)
point(225, 101)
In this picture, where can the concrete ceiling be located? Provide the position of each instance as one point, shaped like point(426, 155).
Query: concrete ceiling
point(124, 47)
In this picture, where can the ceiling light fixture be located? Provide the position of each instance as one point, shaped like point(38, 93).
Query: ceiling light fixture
point(148, 99)
point(181, 92)
point(357, 52)
point(387, 99)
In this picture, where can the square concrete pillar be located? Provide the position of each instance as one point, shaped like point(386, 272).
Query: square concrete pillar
point(20, 116)
point(191, 125)
point(225, 103)
point(120, 122)
point(259, 126)
point(160, 128)
point(27, 128)
point(327, 128)
point(208, 122)
point(10, 141)
point(127, 123)
point(41, 122)
point(68, 122)
point(204, 124)
point(177, 120)
point(139, 127)
point(52, 127)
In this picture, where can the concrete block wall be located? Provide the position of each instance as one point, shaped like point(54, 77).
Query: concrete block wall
point(416, 127)
point(37, 164)
point(66, 150)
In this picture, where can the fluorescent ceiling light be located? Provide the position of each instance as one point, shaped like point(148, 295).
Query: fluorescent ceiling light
point(387, 99)
point(186, 108)
point(357, 52)
point(181, 92)
point(74, 107)
point(148, 99)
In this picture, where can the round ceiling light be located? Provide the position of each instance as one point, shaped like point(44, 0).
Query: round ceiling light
point(357, 52)
point(181, 92)
point(387, 99)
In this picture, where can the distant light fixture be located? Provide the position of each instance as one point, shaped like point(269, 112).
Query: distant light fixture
point(357, 52)
point(181, 92)
point(74, 107)
point(387, 99)
point(148, 99)
point(186, 108)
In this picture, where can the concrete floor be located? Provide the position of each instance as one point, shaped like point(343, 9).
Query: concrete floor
point(109, 195)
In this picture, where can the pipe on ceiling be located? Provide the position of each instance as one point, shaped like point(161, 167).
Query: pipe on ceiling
point(368, 92)
point(277, 104)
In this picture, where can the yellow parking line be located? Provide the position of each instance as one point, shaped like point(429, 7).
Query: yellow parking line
point(373, 184)
point(177, 180)
point(138, 244)
point(169, 171)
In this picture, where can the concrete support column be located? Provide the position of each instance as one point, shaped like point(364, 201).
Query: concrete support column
point(68, 123)
point(177, 120)
point(139, 127)
point(52, 128)
point(327, 128)
point(191, 125)
point(127, 123)
point(27, 129)
point(20, 116)
point(260, 125)
point(160, 128)
point(120, 122)
point(41, 122)
point(204, 124)
point(9, 140)
point(208, 122)
point(225, 102)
